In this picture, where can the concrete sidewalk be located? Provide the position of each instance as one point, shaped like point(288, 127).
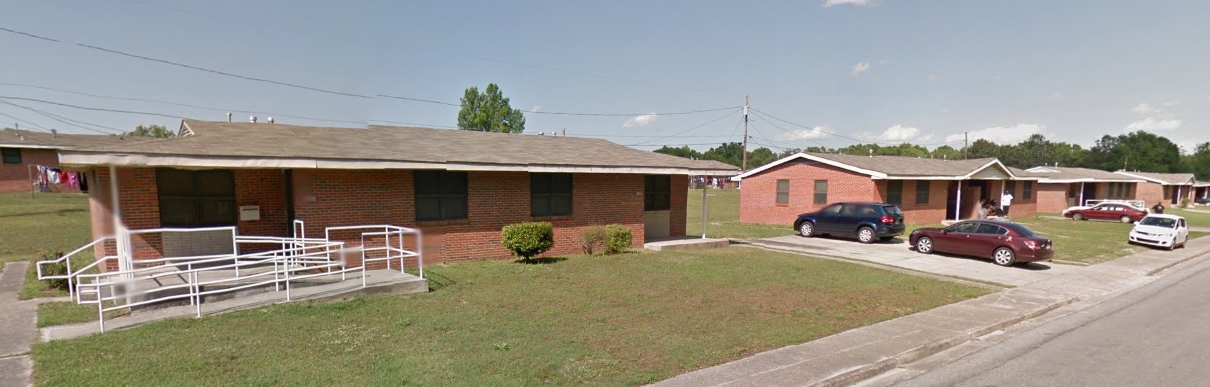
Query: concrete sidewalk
point(17, 328)
point(854, 355)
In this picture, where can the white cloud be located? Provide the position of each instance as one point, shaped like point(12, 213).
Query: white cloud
point(859, 3)
point(1001, 134)
point(933, 77)
point(803, 134)
point(535, 109)
point(898, 133)
point(860, 67)
point(1144, 108)
point(640, 120)
point(1152, 124)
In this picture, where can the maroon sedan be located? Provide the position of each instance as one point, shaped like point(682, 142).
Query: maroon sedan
point(1005, 243)
point(1122, 212)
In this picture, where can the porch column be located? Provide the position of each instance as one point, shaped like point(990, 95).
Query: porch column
point(958, 203)
point(121, 237)
point(1081, 194)
point(1179, 190)
point(703, 209)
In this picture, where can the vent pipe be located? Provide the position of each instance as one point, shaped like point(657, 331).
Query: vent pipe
point(228, 116)
point(270, 120)
point(253, 119)
point(54, 133)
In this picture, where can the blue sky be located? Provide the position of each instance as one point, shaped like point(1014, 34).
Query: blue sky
point(883, 71)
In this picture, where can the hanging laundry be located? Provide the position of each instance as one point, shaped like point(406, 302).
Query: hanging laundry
point(63, 177)
point(74, 180)
point(54, 176)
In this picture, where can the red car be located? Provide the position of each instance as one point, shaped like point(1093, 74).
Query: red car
point(1122, 212)
point(1005, 243)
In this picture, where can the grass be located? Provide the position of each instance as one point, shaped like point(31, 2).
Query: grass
point(723, 216)
point(1087, 241)
point(65, 312)
point(600, 321)
point(1199, 218)
point(51, 221)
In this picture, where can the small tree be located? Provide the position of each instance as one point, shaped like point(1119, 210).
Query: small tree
point(527, 240)
point(489, 111)
point(618, 239)
point(158, 131)
point(592, 237)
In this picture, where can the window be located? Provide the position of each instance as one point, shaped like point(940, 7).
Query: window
point(550, 194)
point(821, 192)
point(1010, 187)
point(1027, 190)
point(991, 229)
point(196, 198)
point(922, 191)
point(658, 189)
point(1113, 190)
point(964, 228)
point(894, 191)
point(832, 209)
point(440, 195)
point(783, 191)
point(1129, 190)
point(11, 155)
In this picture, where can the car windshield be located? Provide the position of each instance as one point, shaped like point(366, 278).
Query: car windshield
point(1158, 222)
point(893, 210)
point(1021, 230)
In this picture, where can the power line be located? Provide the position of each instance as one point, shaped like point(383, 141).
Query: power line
point(4, 97)
point(63, 120)
point(177, 103)
point(794, 133)
point(191, 67)
point(412, 47)
point(690, 129)
point(36, 126)
point(567, 113)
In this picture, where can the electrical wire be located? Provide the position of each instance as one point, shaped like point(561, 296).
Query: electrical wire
point(36, 126)
point(4, 97)
point(690, 129)
point(187, 66)
point(61, 120)
point(567, 113)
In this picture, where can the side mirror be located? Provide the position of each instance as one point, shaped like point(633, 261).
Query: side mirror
point(945, 231)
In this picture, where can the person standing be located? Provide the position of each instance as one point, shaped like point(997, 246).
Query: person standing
point(1006, 200)
point(1158, 208)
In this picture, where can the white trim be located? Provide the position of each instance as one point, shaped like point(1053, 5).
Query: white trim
point(1154, 180)
point(184, 130)
point(1011, 175)
point(800, 155)
point(1043, 170)
point(30, 146)
point(77, 159)
point(1087, 180)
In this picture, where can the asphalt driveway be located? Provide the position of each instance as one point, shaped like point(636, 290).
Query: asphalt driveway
point(898, 253)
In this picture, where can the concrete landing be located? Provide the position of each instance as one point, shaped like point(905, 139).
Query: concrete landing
point(377, 282)
point(686, 243)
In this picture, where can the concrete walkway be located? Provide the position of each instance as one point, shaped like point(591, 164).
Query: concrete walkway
point(854, 355)
point(17, 328)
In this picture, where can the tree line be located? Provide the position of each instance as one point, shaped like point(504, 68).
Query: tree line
point(1134, 151)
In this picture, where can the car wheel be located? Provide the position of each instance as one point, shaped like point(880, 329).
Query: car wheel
point(807, 229)
point(924, 245)
point(865, 235)
point(1125, 219)
point(1004, 257)
point(1077, 216)
point(1172, 246)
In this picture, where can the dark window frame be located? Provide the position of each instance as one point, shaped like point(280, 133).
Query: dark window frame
point(821, 196)
point(1027, 190)
point(894, 196)
point(657, 192)
point(923, 193)
point(197, 198)
point(443, 194)
point(783, 197)
point(11, 156)
point(545, 187)
point(1011, 187)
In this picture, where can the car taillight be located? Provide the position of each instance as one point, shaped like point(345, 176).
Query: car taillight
point(887, 219)
point(1031, 244)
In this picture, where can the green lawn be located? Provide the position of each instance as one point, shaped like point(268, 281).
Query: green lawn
point(608, 321)
point(62, 313)
point(723, 215)
point(58, 221)
point(1087, 241)
point(1195, 218)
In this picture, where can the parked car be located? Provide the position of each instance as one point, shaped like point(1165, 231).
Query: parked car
point(1161, 230)
point(1005, 243)
point(1203, 201)
point(864, 221)
point(1123, 212)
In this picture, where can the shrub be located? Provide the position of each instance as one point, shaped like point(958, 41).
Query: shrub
point(57, 268)
point(617, 239)
point(527, 240)
point(592, 237)
point(1185, 203)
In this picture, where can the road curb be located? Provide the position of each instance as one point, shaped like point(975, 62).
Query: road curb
point(851, 377)
point(1152, 272)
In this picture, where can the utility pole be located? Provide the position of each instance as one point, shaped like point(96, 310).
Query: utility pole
point(744, 167)
point(966, 143)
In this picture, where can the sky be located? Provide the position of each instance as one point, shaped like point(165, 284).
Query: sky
point(816, 72)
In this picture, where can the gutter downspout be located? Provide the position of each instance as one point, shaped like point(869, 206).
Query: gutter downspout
point(704, 209)
point(1081, 203)
point(121, 238)
point(958, 203)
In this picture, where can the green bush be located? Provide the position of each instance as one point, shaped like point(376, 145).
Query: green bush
point(617, 239)
point(1185, 203)
point(592, 237)
point(57, 268)
point(527, 240)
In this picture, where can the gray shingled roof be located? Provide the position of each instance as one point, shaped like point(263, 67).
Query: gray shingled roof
point(1165, 178)
point(12, 138)
point(908, 166)
point(1070, 174)
point(402, 144)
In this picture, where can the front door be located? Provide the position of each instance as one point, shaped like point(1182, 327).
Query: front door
point(657, 207)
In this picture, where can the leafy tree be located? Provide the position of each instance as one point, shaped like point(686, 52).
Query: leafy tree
point(947, 152)
point(489, 112)
point(1199, 161)
point(158, 131)
point(760, 156)
point(1139, 150)
point(730, 153)
point(684, 151)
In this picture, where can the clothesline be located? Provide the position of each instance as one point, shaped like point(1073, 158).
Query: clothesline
point(49, 179)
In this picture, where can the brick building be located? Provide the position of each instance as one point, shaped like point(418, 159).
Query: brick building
point(1064, 187)
point(1170, 188)
point(458, 187)
point(927, 190)
point(23, 151)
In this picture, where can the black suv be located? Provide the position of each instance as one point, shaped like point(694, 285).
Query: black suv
point(865, 221)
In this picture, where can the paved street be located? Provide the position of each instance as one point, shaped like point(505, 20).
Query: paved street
point(1153, 336)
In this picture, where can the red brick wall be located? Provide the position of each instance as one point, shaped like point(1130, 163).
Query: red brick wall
point(1151, 193)
point(924, 213)
point(15, 177)
point(1052, 198)
point(758, 193)
point(1022, 207)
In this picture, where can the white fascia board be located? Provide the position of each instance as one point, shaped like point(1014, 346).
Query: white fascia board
point(996, 162)
point(31, 146)
point(821, 160)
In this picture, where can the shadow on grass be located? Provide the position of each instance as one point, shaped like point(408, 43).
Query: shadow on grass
point(438, 281)
point(62, 212)
point(541, 261)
